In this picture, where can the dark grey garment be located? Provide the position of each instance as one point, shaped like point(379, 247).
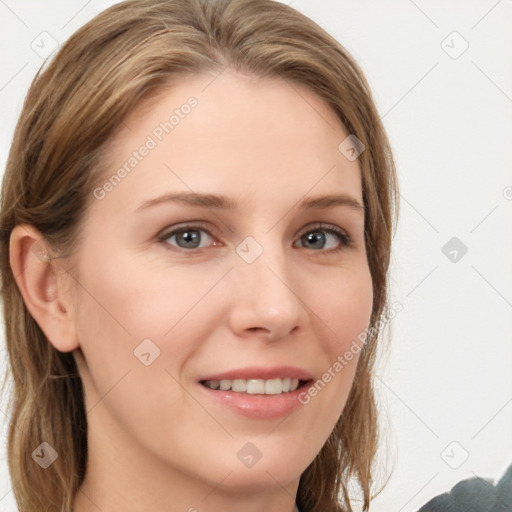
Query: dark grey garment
point(475, 495)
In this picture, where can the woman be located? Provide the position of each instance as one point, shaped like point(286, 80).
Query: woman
point(197, 214)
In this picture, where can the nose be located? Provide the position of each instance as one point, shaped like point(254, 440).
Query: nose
point(266, 297)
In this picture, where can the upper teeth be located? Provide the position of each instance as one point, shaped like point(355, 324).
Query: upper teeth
point(255, 386)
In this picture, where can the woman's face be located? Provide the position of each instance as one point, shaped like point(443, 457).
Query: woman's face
point(256, 286)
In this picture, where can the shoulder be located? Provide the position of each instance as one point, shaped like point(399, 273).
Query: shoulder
point(475, 495)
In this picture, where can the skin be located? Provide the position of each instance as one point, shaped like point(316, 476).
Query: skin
point(155, 441)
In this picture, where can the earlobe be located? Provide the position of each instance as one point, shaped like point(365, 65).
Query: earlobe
point(40, 284)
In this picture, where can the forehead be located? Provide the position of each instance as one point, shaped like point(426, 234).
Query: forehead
point(258, 139)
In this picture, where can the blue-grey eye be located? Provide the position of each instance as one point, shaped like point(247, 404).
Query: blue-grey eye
point(319, 239)
point(187, 237)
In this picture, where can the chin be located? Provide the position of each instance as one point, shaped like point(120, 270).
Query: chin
point(254, 480)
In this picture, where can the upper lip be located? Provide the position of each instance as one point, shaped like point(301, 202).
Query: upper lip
point(261, 372)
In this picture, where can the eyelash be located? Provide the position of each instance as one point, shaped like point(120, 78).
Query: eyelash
point(344, 238)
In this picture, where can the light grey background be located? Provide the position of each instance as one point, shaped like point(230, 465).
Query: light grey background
point(446, 388)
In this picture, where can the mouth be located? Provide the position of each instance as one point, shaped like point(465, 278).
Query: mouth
point(275, 386)
point(257, 392)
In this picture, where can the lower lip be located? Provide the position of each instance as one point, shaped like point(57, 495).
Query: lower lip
point(264, 407)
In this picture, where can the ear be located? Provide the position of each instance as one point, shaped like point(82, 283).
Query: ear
point(41, 283)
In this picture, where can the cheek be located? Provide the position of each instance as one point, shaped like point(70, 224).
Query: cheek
point(345, 305)
point(131, 316)
point(126, 305)
point(131, 301)
point(344, 310)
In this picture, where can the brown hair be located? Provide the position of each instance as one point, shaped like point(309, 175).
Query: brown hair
point(125, 54)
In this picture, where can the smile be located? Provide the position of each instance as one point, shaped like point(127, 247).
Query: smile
point(275, 386)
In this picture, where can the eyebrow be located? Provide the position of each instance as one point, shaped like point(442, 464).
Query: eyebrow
point(217, 202)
